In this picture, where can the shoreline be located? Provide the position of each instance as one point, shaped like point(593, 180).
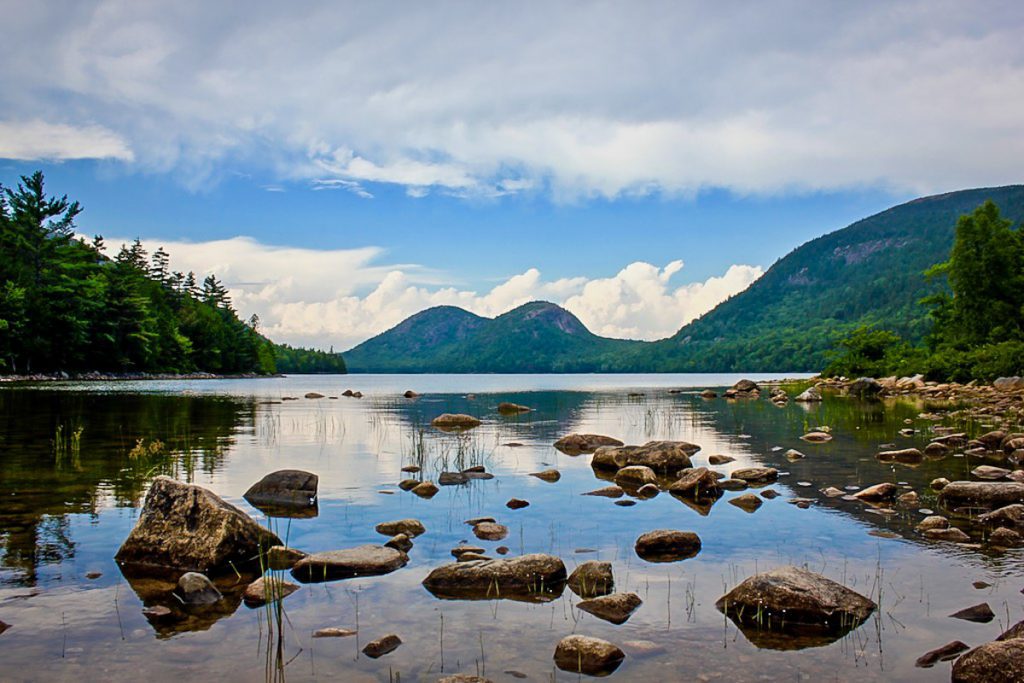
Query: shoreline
point(125, 377)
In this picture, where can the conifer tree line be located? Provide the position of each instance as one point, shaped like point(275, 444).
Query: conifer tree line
point(66, 306)
point(977, 315)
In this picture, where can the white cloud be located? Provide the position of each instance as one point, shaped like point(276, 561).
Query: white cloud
point(571, 98)
point(341, 297)
point(39, 140)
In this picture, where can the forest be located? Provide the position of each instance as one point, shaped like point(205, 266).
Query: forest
point(65, 306)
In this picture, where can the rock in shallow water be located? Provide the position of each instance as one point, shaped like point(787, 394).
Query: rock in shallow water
point(382, 646)
point(591, 579)
point(410, 527)
point(288, 488)
point(534, 577)
point(615, 608)
point(186, 527)
point(941, 654)
point(980, 613)
point(981, 493)
point(664, 457)
point(195, 589)
point(586, 655)
point(667, 545)
point(996, 662)
point(267, 589)
point(574, 444)
point(364, 560)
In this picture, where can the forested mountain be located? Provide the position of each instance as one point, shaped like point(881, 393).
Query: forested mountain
point(869, 273)
point(535, 337)
point(66, 306)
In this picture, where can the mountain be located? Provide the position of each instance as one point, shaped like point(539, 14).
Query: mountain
point(870, 272)
point(535, 337)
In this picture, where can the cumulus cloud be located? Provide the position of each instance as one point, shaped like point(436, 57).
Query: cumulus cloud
point(573, 98)
point(342, 297)
point(32, 140)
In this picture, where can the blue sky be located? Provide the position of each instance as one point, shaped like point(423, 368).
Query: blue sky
point(344, 166)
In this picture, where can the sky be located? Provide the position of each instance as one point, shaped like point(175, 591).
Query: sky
point(341, 166)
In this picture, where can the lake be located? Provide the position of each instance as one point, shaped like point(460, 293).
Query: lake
point(76, 460)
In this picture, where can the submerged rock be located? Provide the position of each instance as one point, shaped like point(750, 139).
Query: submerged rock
point(455, 421)
point(281, 557)
point(195, 589)
point(667, 545)
point(586, 655)
point(285, 488)
point(267, 589)
point(463, 678)
point(795, 600)
point(817, 437)
point(333, 632)
point(512, 409)
point(941, 654)
point(382, 646)
point(186, 527)
point(996, 662)
point(592, 578)
point(664, 457)
point(574, 444)
point(364, 560)
point(615, 608)
point(534, 577)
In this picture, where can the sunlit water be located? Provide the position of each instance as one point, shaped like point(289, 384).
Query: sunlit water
point(64, 514)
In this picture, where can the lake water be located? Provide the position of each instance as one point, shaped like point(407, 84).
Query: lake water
point(65, 511)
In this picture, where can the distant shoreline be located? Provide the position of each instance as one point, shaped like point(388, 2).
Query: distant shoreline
point(124, 377)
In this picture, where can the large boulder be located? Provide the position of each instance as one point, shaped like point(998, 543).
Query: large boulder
point(1010, 516)
point(364, 560)
point(795, 599)
point(185, 527)
point(1001, 661)
point(536, 577)
point(586, 655)
point(989, 494)
point(286, 488)
point(746, 386)
point(864, 387)
point(809, 395)
point(667, 545)
point(1009, 383)
point(574, 444)
point(664, 457)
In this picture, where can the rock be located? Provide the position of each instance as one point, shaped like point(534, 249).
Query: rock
point(832, 492)
point(364, 560)
point(464, 678)
point(795, 598)
point(1009, 383)
point(933, 522)
point(746, 385)
point(195, 589)
point(281, 557)
point(1015, 443)
point(709, 393)
point(756, 475)
point(473, 521)
point(939, 483)
point(410, 527)
point(980, 613)
point(549, 475)
point(951, 534)
point(817, 437)
point(490, 531)
point(1011, 516)
point(425, 489)
point(382, 646)
point(471, 557)
point(501, 550)
point(408, 484)
point(615, 608)
point(574, 444)
point(720, 459)
point(698, 483)
point(516, 504)
point(664, 457)
point(313, 394)
point(648, 491)
point(606, 492)
point(989, 472)
point(992, 440)
point(864, 387)
point(186, 527)
point(410, 394)
point(942, 654)
point(152, 612)
point(809, 395)
point(512, 409)
point(634, 476)
point(1015, 631)
point(411, 469)
point(452, 478)
point(996, 662)
point(1005, 538)
point(333, 632)
point(935, 450)
point(586, 655)
point(625, 503)
point(793, 454)
point(399, 542)
point(667, 545)
point(883, 491)
point(92, 576)
point(909, 498)
point(907, 456)
point(531, 577)
point(284, 488)
point(981, 494)
point(455, 422)
point(463, 549)
point(769, 494)
point(733, 485)
point(748, 502)
point(267, 589)
point(592, 578)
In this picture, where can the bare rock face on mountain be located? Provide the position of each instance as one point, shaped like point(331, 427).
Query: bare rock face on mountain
point(186, 527)
point(664, 457)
